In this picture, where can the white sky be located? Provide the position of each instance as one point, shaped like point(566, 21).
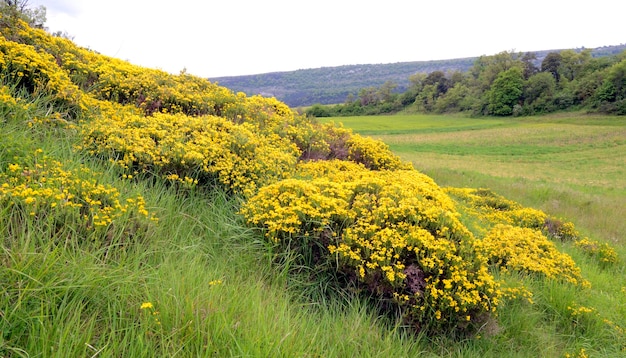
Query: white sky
point(215, 38)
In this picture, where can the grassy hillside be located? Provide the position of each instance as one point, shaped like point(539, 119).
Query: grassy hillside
point(146, 214)
point(330, 85)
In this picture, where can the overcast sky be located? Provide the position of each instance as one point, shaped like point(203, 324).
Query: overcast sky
point(214, 38)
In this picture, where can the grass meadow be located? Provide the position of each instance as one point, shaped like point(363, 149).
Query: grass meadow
point(202, 284)
point(571, 164)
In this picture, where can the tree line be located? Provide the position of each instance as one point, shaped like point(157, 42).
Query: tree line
point(505, 84)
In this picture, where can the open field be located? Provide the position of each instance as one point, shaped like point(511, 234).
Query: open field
point(571, 165)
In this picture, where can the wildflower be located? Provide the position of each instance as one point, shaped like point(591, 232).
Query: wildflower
point(146, 305)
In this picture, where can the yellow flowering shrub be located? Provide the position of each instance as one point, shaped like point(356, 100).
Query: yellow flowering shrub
point(602, 251)
point(203, 149)
point(374, 154)
point(37, 72)
point(486, 209)
point(336, 142)
point(41, 188)
point(81, 79)
point(11, 106)
point(39, 60)
point(590, 318)
point(394, 232)
point(529, 251)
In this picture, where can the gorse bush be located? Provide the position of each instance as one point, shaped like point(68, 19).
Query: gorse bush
point(40, 189)
point(486, 209)
point(394, 232)
point(199, 149)
point(398, 236)
point(602, 251)
point(529, 251)
point(37, 72)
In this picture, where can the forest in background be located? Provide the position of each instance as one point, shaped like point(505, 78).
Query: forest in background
point(504, 84)
point(334, 85)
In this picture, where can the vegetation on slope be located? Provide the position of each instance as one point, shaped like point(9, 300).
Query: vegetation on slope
point(330, 85)
point(114, 177)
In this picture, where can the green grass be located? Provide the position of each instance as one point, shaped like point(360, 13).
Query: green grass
point(217, 290)
point(415, 123)
point(570, 165)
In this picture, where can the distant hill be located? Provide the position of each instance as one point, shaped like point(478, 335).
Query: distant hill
point(329, 85)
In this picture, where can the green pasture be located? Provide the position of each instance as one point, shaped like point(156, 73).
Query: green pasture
point(570, 164)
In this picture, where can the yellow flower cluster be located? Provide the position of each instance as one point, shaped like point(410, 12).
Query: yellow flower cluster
point(64, 67)
point(582, 314)
point(329, 141)
point(120, 95)
point(191, 149)
point(516, 237)
point(11, 105)
point(519, 292)
point(487, 209)
point(395, 231)
point(527, 250)
point(149, 307)
point(45, 190)
point(603, 251)
point(581, 354)
point(37, 72)
point(374, 154)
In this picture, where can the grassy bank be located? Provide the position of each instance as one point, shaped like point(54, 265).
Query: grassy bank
point(199, 283)
point(147, 214)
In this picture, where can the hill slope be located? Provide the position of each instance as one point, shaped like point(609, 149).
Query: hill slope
point(147, 214)
point(330, 85)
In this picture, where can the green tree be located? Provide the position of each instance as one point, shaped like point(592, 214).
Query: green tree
point(528, 61)
point(611, 95)
point(551, 64)
point(585, 87)
point(385, 92)
point(20, 9)
point(573, 63)
point(439, 80)
point(487, 68)
point(505, 92)
point(539, 93)
point(455, 99)
point(368, 96)
point(617, 77)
